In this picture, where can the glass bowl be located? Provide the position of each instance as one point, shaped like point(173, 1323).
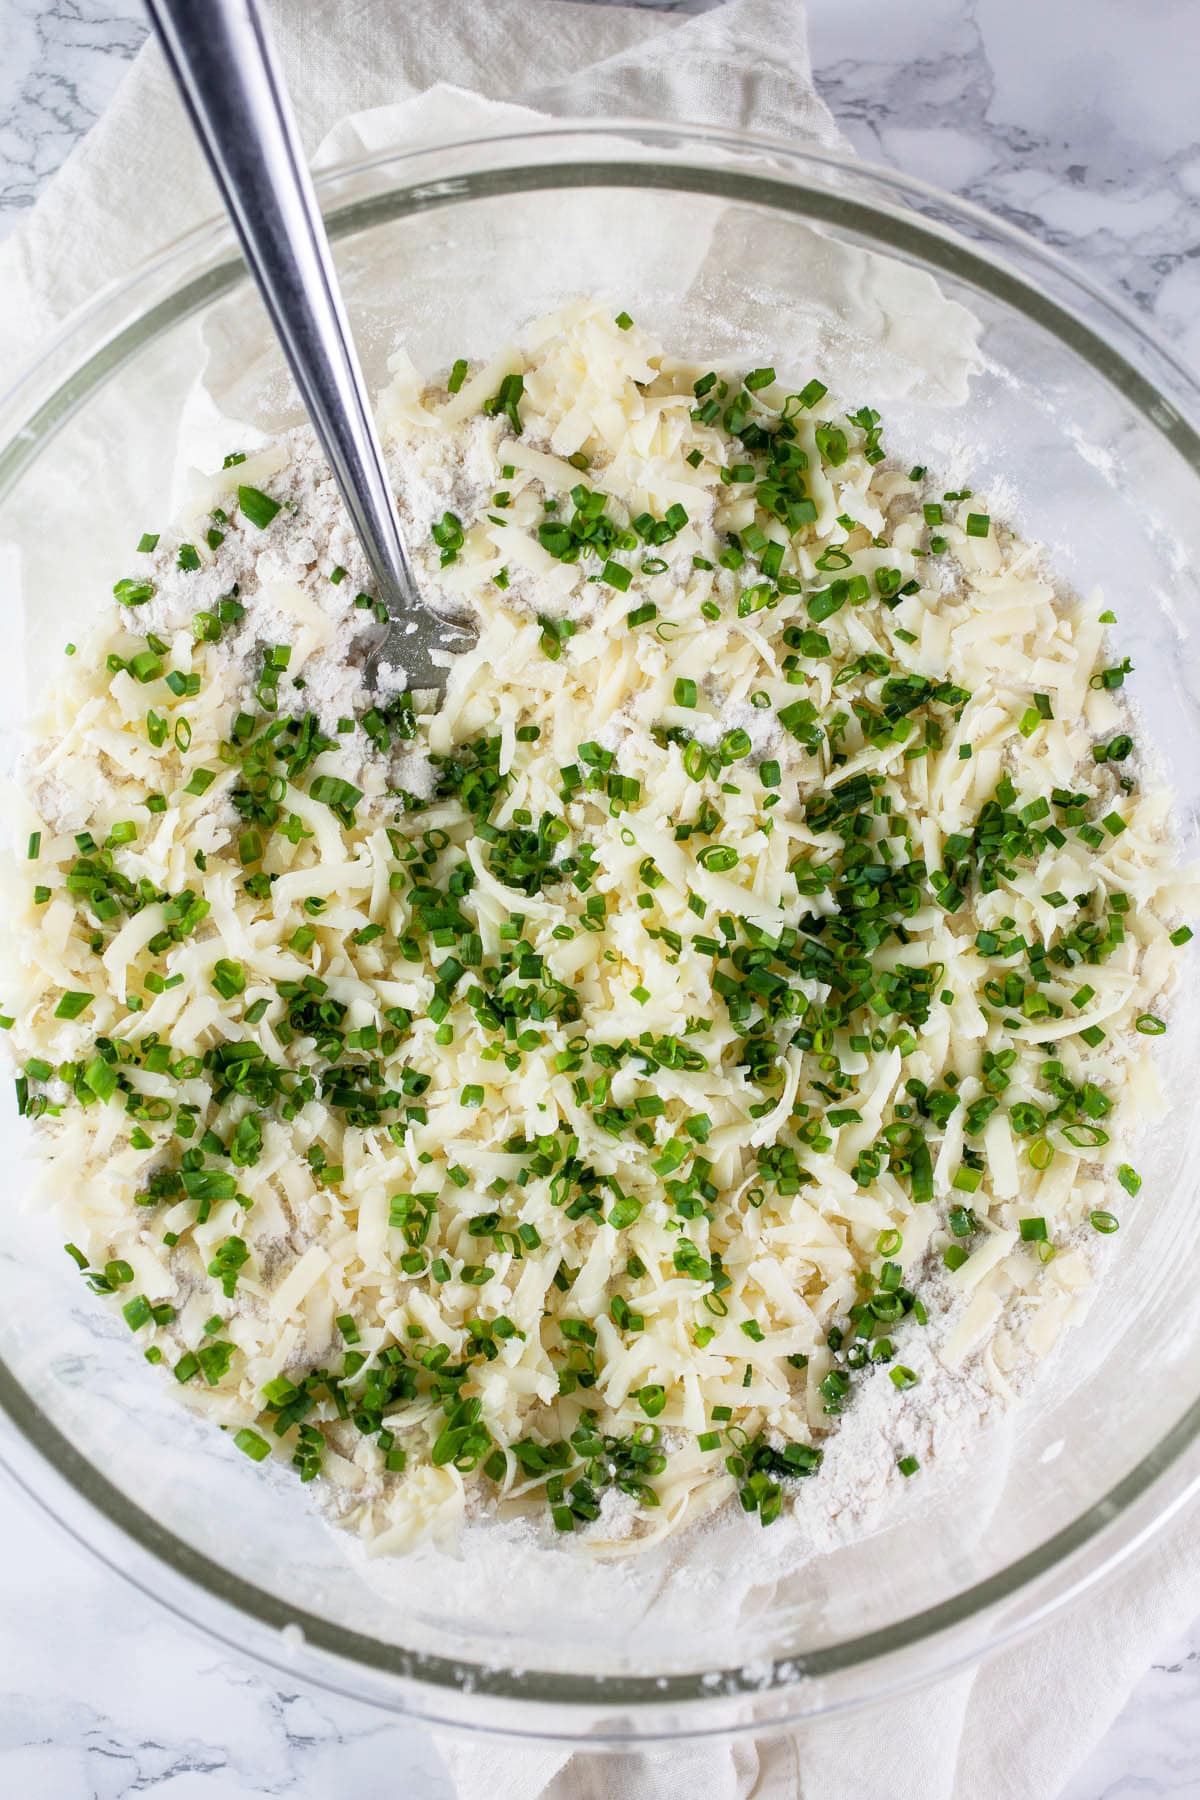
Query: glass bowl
point(1078, 425)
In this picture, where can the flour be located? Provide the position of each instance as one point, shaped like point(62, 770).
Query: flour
point(760, 724)
point(283, 577)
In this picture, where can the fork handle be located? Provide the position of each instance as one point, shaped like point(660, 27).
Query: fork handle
point(229, 77)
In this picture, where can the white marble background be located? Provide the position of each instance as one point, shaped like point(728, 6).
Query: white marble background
point(1074, 118)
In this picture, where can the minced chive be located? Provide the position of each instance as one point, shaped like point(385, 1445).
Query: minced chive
point(249, 1442)
point(229, 978)
point(258, 507)
point(685, 691)
point(145, 666)
point(101, 1077)
point(718, 857)
point(72, 1004)
point(624, 321)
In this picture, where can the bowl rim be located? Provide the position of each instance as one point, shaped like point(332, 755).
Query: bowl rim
point(803, 183)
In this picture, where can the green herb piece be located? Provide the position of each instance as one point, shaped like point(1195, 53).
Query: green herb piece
point(256, 506)
point(72, 1004)
point(506, 400)
point(250, 1443)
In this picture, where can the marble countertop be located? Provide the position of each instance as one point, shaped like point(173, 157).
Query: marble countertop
point(1058, 118)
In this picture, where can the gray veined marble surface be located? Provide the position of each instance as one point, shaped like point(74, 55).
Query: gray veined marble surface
point(1076, 119)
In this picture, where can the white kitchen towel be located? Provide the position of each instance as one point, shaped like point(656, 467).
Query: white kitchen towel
point(366, 74)
point(372, 73)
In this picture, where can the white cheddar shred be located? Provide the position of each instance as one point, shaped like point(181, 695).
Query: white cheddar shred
point(590, 1082)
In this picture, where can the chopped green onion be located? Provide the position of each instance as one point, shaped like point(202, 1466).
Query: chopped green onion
point(258, 507)
point(249, 1442)
point(72, 1004)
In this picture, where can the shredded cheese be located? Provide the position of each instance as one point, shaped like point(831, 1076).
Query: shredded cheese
point(598, 1112)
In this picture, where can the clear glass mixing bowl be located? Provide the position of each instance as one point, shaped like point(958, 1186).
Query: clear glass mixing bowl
point(718, 243)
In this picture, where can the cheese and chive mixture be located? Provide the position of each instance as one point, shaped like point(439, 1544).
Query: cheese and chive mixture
point(566, 1098)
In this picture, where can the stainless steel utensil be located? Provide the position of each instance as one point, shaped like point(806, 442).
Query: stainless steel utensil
point(232, 85)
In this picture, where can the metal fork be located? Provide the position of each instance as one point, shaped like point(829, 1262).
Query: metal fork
point(232, 85)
